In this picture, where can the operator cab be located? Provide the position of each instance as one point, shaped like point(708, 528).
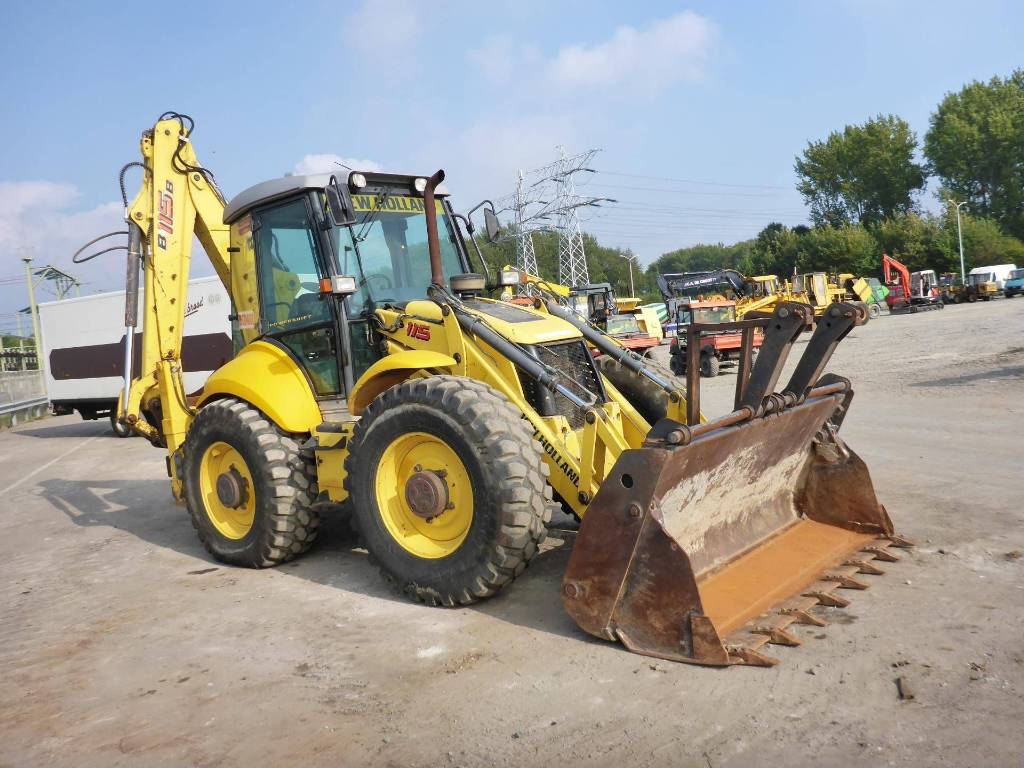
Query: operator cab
point(594, 301)
point(312, 256)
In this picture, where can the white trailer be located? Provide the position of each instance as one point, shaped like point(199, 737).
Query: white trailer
point(83, 347)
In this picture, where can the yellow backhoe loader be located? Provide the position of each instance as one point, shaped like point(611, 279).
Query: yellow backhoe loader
point(372, 372)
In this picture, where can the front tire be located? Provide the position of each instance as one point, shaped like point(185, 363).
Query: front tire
point(709, 366)
point(248, 489)
point(449, 489)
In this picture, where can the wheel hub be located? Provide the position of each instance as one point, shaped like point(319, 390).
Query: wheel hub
point(426, 494)
point(232, 489)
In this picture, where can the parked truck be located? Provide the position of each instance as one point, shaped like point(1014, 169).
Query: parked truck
point(83, 346)
point(1014, 283)
point(989, 281)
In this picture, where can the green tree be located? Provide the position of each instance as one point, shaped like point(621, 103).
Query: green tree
point(920, 242)
point(604, 264)
point(773, 251)
point(985, 242)
point(848, 248)
point(975, 145)
point(862, 174)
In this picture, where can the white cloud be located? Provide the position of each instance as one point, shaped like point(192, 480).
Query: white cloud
point(665, 52)
point(377, 27)
point(328, 163)
point(34, 220)
point(37, 220)
point(633, 62)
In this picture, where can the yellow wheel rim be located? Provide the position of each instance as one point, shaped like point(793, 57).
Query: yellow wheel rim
point(420, 454)
point(232, 520)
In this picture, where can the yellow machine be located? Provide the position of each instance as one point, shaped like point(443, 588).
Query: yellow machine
point(646, 317)
point(765, 293)
point(371, 369)
point(817, 288)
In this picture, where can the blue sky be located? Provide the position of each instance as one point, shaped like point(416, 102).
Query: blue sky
point(725, 94)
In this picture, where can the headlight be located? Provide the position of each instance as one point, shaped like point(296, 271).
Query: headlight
point(509, 277)
point(356, 180)
point(419, 185)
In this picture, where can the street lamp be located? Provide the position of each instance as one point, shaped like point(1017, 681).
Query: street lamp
point(629, 260)
point(960, 237)
point(35, 315)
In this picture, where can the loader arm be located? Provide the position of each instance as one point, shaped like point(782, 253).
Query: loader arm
point(178, 200)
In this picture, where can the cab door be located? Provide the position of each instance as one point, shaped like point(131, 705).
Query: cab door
point(293, 313)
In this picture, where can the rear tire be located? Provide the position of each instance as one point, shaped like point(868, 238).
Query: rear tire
point(677, 364)
point(274, 520)
point(709, 366)
point(509, 499)
point(646, 396)
point(874, 310)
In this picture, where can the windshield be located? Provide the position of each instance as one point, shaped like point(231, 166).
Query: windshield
point(984, 277)
point(1017, 274)
point(714, 315)
point(622, 324)
point(386, 249)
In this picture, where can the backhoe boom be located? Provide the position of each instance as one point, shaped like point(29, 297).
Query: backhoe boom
point(178, 201)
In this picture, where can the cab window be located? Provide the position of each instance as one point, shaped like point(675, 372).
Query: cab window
point(292, 309)
point(387, 249)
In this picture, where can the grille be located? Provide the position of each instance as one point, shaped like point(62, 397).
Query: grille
point(574, 360)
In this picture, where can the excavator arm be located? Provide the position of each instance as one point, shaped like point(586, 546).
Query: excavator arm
point(888, 265)
point(178, 201)
point(682, 284)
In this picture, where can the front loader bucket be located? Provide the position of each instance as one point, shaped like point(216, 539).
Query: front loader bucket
point(706, 548)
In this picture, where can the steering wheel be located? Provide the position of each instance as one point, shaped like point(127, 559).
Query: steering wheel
point(378, 276)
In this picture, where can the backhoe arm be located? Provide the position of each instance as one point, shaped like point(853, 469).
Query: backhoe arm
point(889, 264)
point(178, 201)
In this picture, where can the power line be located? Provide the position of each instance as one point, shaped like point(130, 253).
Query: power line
point(669, 191)
point(692, 181)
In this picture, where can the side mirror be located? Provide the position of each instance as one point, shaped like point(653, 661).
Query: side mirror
point(339, 204)
point(491, 224)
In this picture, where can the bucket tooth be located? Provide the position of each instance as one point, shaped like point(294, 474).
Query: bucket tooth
point(864, 566)
point(895, 540)
point(777, 635)
point(845, 581)
point(751, 657)
point(881, 553)
point(827, 598)
point(802, 616)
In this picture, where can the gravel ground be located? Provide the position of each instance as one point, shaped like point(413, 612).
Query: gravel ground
point(122, 643)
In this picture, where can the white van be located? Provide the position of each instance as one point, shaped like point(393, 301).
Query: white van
point(994, 273)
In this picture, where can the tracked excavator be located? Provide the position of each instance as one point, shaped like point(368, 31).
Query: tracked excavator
point(373, 377)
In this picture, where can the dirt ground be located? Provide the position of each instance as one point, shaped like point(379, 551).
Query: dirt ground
point(123, 643)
